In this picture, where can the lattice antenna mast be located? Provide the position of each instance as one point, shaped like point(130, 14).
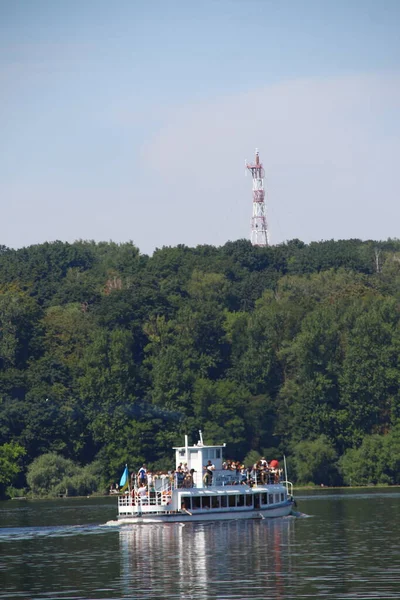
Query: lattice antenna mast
point(259, 230)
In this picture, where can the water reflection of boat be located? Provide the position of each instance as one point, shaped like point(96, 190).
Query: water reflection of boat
point(220, 495)
point(200, 560)
point(164, 556)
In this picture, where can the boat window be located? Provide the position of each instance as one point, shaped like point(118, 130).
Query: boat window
point(181, 453)
point(276, 497)
point(270, 498)
point(185, 503)
point(209, 454)
point(282, 497)
point(214, 502)
point(195, 502)
point(232, 500)
point(240, 500)
point(224, 501)
point(263, 498)
point(205, 502)
point(218, 453)
point(249, 500)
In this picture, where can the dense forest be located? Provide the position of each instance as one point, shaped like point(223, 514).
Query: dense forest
point(109, 357)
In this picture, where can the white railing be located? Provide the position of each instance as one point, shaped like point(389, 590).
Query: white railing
point(159, 487)
point(289, 487)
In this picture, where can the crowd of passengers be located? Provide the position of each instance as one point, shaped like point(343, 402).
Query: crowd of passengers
point(260, 472)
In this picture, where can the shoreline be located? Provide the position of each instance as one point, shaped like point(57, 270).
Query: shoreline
point(295, 488)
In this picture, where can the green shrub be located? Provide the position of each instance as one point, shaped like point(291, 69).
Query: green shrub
point(13, 492)
point(316, 461)
point(54, 475)
point(10, 459)
point(46, 472)
point(376, 461)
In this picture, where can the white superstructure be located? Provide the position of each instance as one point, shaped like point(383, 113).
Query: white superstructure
point(206, 494)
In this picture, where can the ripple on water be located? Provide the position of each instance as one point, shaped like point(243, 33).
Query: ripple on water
point(13, 534)
point(348, 550)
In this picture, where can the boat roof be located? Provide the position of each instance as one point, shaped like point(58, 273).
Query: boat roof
point(198, 446)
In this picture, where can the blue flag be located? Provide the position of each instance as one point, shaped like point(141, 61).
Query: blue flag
point(124, 477)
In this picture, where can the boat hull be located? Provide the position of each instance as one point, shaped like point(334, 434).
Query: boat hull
point(283, 510)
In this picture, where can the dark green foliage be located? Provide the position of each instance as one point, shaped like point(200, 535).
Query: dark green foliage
point(109, 357)
point(10, 465)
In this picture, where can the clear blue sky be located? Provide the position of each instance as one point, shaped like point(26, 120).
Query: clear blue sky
point(131, 120)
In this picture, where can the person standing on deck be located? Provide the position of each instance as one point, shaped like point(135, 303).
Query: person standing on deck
point(208, 476)
point(142, 475)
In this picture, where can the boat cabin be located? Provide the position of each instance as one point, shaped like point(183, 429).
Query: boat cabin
point(197, 457)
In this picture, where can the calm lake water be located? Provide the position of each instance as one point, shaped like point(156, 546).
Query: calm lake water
point(347, 547)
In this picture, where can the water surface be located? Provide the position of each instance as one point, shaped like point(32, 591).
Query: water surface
point(347, 548)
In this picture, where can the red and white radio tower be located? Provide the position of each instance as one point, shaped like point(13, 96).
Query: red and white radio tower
point(259, 231)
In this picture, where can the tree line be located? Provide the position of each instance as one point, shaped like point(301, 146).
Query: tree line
point(109, 357)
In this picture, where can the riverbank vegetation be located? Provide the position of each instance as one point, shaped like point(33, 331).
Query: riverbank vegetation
point(109, 357)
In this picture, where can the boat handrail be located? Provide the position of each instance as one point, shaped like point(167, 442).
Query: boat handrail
point(289, 487)
point(220, 477)
point(223, 477)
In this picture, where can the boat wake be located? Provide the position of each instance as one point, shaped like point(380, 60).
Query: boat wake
point(12, 534)
point(300, 515)
point(113, 523)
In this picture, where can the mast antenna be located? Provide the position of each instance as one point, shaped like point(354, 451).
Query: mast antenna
point(259, 229)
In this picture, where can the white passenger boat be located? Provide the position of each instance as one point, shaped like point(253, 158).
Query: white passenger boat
point(218, 495)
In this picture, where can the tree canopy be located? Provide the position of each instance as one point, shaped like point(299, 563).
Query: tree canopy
point(109, 357)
